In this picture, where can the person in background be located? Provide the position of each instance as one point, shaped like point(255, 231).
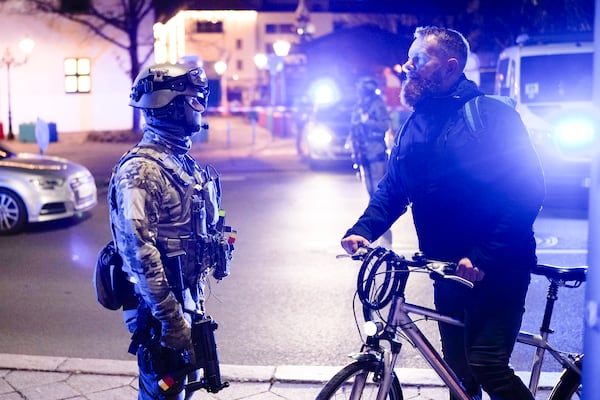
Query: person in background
point(370, 123)
point(474, 197)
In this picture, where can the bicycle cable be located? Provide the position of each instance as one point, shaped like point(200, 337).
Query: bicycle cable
point(376, 295)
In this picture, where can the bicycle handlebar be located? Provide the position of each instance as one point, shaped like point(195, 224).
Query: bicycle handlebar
point(441, 269)
point(383, 274)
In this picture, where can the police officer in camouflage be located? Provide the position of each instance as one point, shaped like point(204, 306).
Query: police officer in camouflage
point(164, 209)
point(370, 122)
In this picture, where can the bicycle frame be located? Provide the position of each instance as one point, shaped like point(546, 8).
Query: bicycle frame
point(542, 345)
point(400, 319)
point(386, 296)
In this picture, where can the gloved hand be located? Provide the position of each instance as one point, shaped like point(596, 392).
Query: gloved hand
point(176, 330)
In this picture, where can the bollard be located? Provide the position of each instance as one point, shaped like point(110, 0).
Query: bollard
point(253, 131)
point(228, 134)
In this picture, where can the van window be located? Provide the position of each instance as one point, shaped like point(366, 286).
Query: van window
point(502, 86)
point(556, 78)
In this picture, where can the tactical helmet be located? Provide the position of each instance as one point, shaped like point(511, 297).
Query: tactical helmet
point(158, 85)
point(367, 87)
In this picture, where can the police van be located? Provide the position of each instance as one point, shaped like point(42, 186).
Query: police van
point(550, 78)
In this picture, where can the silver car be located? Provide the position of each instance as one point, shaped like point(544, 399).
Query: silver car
point(38, 188)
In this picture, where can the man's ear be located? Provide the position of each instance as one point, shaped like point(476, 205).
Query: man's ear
point(452, 67)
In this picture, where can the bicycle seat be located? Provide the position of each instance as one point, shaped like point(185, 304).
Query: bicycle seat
point(564, 274)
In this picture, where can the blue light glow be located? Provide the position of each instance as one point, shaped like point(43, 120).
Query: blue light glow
point(324, 91)
point(575, 133)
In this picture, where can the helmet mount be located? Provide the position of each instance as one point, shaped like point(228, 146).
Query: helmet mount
point(158, 85)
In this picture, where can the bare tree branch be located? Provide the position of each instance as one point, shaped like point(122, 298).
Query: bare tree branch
point(118, 23)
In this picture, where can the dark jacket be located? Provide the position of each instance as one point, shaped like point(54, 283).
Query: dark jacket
point(473, 194)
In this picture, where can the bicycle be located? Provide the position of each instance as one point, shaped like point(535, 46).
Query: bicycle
point(381, 286)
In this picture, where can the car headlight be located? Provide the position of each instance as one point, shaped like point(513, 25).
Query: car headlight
point(47, 183)
point(320, 136)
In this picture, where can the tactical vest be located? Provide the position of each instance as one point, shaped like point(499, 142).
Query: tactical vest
point(182, 240)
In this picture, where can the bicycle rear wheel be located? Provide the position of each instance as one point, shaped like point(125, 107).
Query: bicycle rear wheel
point(355, 381)
point(568, 386)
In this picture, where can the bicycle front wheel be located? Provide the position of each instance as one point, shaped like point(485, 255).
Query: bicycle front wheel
point(568, 386)
point(355, 381)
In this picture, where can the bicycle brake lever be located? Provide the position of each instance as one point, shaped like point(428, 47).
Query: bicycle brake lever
point(460, 280)
point(446, 271)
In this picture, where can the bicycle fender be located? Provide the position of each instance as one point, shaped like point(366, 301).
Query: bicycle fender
point(366, 356)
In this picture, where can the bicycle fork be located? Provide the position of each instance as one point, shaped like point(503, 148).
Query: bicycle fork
point(388, 374)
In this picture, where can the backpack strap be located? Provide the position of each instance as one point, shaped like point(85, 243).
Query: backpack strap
point(473, 114)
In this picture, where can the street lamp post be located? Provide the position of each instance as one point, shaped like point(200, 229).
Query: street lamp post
point(274, 64)
point(220, 69)
point(282, 49)
point(9, 61)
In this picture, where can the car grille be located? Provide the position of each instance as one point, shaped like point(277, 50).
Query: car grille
point(53, 208)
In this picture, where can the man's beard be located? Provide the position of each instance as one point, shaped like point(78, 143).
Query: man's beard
point(416, 89)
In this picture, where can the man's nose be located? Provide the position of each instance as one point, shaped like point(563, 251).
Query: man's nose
point(408, 67)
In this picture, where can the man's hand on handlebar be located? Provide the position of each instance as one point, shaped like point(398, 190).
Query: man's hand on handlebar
point(352, 243)
point(466, 270)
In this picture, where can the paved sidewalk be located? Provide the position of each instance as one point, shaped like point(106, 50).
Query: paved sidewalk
point(59, 378)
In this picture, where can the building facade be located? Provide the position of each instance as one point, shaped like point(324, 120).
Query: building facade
point(227, 42)
point(72, 77)
point(81, 82)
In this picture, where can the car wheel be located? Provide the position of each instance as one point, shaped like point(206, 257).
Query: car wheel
point(13, 215)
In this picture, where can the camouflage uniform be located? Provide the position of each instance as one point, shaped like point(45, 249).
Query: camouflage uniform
point(150, 211)
point(164, 211)
point(368, 135)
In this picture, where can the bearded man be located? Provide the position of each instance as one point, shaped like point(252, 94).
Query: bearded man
point(474, 195)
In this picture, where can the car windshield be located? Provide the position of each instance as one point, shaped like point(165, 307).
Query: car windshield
point(556, 78)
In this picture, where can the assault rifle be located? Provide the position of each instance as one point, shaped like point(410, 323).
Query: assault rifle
point(203, 356)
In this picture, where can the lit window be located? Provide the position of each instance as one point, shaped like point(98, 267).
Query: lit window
point(209, 27)
point(280, 28)
point(77, 75)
